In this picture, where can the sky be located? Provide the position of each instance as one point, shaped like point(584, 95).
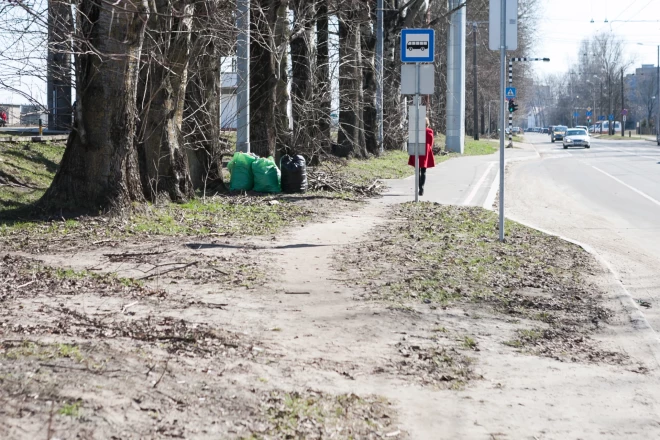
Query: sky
point(565, 23)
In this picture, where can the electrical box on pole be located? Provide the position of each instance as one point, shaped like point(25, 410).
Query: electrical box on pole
point(511, 27)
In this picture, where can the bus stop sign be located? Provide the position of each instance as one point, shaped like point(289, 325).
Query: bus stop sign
point(417, 45)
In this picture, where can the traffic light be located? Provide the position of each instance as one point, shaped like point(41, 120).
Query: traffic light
point(512, 106)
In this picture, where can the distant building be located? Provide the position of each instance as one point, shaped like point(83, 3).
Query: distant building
point(13, 113)
point(228, 87)
point(21, 115)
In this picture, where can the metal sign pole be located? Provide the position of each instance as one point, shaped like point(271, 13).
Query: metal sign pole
point(417, 81)
point(502, 114)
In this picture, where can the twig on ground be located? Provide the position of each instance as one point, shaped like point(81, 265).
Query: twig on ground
point(168, 271)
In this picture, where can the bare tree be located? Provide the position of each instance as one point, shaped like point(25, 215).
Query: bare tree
point(99, 169)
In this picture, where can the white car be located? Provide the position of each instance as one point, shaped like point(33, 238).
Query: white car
point(576, 137)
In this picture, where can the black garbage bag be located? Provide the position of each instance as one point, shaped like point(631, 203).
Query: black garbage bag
point(294, 174)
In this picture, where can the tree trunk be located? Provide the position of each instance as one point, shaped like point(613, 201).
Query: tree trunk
point(164, 163)
point(99, 169)
point(369, 113)
point(323, 92)
point(202, 106)
point(303, 111)
point(263, 79)
point(280, 55)
point(350, 139)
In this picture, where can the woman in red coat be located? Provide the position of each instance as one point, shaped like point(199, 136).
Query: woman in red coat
point(426, 161)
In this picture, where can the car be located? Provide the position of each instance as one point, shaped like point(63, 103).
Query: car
point(545, 130)
point(576, 137)
point(558, 132)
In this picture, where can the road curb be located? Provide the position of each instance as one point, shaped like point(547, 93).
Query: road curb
point(637, 318)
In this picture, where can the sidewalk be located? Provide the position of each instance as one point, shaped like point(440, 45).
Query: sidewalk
point(468, 180)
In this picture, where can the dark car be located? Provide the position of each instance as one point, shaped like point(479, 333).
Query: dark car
point(558, 132)
point(545, 130)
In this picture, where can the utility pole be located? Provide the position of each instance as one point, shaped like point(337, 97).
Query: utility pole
point(502, 96)
point(610, 125)
point(623, 122)
point(243, 76)
point(456, 78)
point(657, 99)
point(474, 74)
point(379, 73)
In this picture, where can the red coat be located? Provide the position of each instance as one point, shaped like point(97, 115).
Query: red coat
point(427, 161)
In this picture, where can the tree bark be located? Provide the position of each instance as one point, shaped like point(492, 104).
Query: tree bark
point(263, 79)
point(303, 111)
point(323, 76)
point(164, 163)
point(280, 55)
point(350, 139)
point(202, 105)
point(368, 45)
point(99, 169)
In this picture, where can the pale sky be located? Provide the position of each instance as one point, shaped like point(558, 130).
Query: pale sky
point(565, 23)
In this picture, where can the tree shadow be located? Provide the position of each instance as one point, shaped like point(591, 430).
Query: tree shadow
point(34, 156)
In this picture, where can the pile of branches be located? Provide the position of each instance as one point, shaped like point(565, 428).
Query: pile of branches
point(326, 180)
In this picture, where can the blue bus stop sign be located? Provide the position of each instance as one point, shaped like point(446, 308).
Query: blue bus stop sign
point(417, 45)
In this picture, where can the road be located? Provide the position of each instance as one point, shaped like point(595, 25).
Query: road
point(607, 197)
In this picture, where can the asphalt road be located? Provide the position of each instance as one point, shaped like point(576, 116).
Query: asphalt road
point(607, 197)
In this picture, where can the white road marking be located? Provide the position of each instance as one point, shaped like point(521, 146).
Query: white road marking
point(643, 194)
point(490, 198)
point(476, 188)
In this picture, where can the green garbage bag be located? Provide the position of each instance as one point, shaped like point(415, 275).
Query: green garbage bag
point(266, 175)
point(240, 167)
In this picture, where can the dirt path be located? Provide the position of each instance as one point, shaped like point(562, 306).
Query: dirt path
point(318, 333)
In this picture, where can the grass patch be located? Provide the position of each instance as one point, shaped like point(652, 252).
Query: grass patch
point(42, 352)
point(301, 414)
point(70, 410)
point(391, 165)
point(435, 254)
point(618, 137)
point(31, 167)
point(480, 147)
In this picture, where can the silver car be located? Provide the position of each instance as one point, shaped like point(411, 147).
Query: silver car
point(577, 137)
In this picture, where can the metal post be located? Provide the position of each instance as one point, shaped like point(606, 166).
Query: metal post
point(475, 88)
point(379, 73)
point(623, 123)
point(510, 113)
point(243, 76)
point(657, 99)
point(417, 99)
point(502, 96)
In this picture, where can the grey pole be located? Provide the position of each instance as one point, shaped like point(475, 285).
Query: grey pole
point(456, 79)
point(243, 68)
point(475, 85)
point(502, 115)
point(417, 99)
point(379, 73)
point(657, 99)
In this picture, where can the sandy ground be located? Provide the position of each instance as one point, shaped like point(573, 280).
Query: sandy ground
point(297, 326)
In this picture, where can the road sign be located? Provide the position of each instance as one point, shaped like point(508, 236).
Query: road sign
point(420, 133)
point(510, 92)
point(576, 114)
point(495, 24)
point(409, 79)
point(610, 117)
point(624, 118)
point(589, 113)
point(624, 111)
point(589, 109)
point(601, 118)
point(417, 45)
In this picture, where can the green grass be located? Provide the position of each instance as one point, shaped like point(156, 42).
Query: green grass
point(391, 165)
point(618, 137)
point(44, 351)
point(70, 409)
point(480, 147)
point(33, 165)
